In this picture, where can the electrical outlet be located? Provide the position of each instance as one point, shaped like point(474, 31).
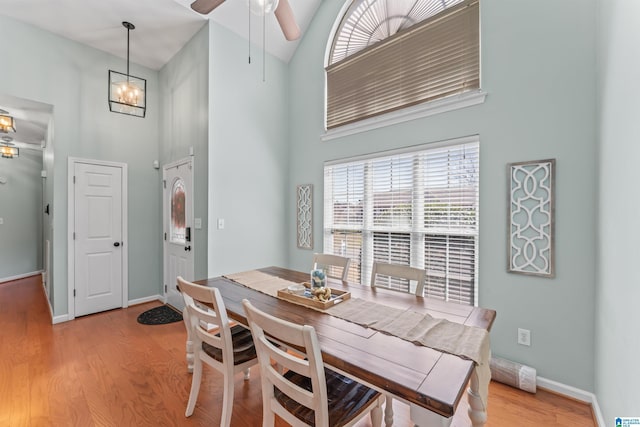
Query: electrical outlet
point(220, 223)
point(524, 337)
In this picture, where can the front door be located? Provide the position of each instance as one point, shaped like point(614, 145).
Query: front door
point(98, 237)
point(178, 227)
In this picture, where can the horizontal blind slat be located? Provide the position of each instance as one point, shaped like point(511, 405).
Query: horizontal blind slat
point(437, 59)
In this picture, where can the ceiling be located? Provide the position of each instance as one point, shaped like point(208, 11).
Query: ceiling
point(163, 27)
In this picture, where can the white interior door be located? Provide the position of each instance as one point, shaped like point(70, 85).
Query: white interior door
point(178, 227)
point(98, 237)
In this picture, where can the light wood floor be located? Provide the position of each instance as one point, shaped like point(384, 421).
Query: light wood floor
point(108, 370)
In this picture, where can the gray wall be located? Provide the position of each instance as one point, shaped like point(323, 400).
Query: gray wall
point(73, 78)
point(541, 103)
point(184, 105)
point(248, 158)
point(21, 210)
point(618, 327)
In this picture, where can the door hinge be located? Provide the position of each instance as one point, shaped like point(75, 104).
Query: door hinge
point(74, 293)
point(164, 183)
point(165, 236)
point(74, 179)
point(165, 289)
point(74, 235)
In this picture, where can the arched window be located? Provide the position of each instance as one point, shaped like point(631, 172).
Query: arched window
point(390, 54)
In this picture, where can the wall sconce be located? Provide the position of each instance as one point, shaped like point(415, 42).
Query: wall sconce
point(127, 93)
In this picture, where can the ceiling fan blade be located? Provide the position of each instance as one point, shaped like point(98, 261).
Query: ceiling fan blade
point(205, 7)
point(287, 21)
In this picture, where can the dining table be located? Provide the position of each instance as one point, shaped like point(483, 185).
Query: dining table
point(432, 382)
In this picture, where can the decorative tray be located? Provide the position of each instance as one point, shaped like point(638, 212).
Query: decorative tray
point(337, 296)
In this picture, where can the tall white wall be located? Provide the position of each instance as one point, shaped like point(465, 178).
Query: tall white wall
point(538, 68)
point(248, 156)
point(184, 104)
point(618, 292)
point(71, 77)
point(21, 213)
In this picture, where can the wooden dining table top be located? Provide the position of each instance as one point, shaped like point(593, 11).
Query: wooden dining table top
point(412, 373)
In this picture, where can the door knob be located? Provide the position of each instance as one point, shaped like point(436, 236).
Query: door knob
point(116, 244)
point(187, 248)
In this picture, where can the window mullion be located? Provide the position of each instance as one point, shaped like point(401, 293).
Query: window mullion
point(417, 225)
point(367, 234)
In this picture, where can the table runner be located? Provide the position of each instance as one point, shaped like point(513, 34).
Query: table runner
point(463, 341)
point(423, 329)
point(261, 282)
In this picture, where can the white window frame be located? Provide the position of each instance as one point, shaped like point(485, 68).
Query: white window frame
point(367, 230)
point(430, 108)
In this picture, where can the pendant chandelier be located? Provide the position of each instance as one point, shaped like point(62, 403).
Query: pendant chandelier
point(7, 122)
point(7, 149)
point(127, 93)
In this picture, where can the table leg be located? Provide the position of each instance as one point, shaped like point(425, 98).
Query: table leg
point(422, 417)
point(189, 344)
point(477, 411)
point(388, 412)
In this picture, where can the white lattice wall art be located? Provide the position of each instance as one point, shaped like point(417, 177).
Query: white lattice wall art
point(531, 217)
point(304, 207)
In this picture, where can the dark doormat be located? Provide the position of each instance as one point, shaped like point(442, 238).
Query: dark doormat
point(160, 316)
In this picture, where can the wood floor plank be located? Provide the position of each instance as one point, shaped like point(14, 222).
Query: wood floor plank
point(108, 370)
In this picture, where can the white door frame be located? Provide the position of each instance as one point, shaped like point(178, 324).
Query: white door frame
point(189, 221)
point(71, 280)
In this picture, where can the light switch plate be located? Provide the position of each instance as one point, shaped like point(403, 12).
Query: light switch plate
point(197, 223)
point(1, 221)
point(220, 223)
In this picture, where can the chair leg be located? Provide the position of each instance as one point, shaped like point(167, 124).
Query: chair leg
point(195, 386)
point(189, 343)
point(247, 374)
point(227, 400)
point(388, 412)
point(268, 419)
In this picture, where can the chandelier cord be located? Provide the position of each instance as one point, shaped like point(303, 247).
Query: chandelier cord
point(128, 30)
point(264, 43)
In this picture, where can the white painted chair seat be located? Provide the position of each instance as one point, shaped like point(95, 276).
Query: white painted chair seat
point(228, 349)
point(400, 272)
point(299, 389)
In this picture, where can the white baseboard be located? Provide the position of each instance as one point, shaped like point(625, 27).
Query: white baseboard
point(60, 319)
point(146, 299)
point(575, 393)
point(20, 276)
point(65, 317)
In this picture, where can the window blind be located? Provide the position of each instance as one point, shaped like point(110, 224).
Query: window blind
point(417, 208)
point(433, 59)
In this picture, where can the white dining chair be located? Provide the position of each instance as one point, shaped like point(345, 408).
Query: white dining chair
point(406, 274)
point(331, 263)
point(304, 392)
point(398, 271)
point(228, 349)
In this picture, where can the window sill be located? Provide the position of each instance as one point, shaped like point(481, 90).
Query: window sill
point(450, 103)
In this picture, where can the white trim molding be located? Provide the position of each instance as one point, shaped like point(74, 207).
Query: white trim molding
point(146, 299)
point(60, 319)
point(20, 276)
point(442, 105)
point(71, 161)
point(574, 393)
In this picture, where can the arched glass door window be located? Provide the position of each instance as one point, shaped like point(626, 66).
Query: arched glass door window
point(178, 213)
point(391, 54)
